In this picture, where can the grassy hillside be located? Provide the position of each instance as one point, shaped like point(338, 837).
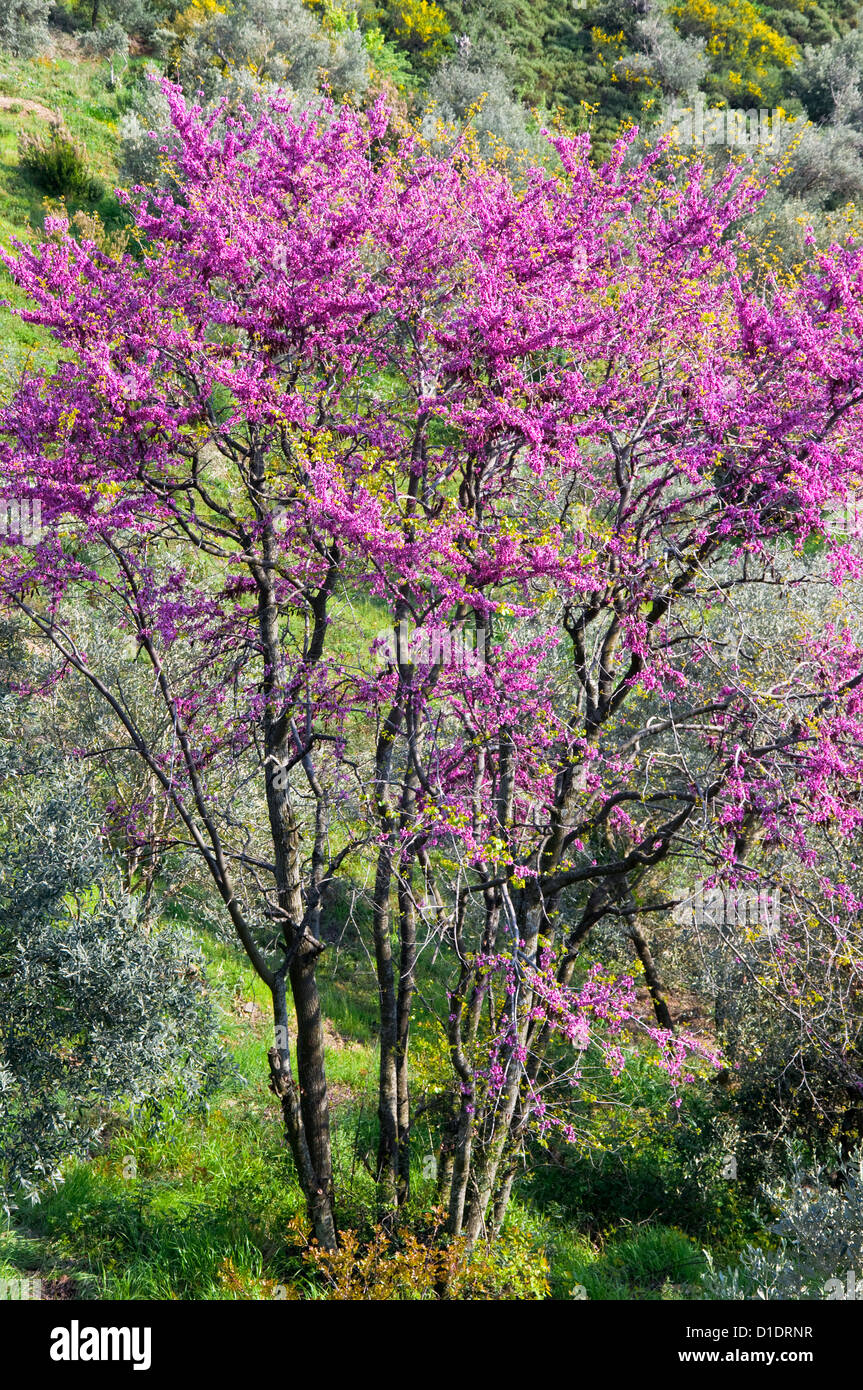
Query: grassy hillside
point(31, 91)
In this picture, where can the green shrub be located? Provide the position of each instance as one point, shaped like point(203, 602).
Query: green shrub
point(58, 161)
point(99, 1010)
point(23, 26)
point(817, 1246)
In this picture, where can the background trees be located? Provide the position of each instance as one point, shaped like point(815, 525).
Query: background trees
point(23, 27)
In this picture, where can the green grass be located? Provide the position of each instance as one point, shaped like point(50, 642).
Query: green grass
point(78, 91)
point(644, 1264)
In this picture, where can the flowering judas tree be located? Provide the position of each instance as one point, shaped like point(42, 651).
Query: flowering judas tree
point(341, 378)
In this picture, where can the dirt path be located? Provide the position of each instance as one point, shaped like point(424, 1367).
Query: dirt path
point(25, 104)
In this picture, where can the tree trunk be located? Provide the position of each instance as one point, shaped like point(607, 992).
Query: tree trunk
point(311, 1067)
point(307, 1116)
point(407, 967)
point(316, 1189)
point(301, 953)
point(651, 975)
point(501, 1201)
point(388, 1143)
point(500, 1114)
point(461, 1169)
point(388, 1131)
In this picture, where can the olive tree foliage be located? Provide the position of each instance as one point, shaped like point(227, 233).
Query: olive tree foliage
point(111, 43)
point(828, 79)
point(108, 42)
point(826, 159)
point(779, 1084)
point(826, 164)
point(280, 41)
point(24, 26)
point(818, 1240)
point(678, 64)
point(151, 863)
point(811, 166)
point(97, 1009)
point(734, 954)
point(471, 88)
point(146, 140)
point(138, 17)
point(488, 27)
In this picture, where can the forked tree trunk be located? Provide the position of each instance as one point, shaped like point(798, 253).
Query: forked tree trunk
point(305, 1103)
point(316, 1189)
point(481, 1172)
